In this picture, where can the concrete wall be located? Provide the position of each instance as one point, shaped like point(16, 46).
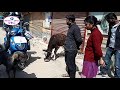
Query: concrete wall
point(37, 28)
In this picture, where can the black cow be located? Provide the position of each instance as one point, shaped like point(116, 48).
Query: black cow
point(55, 42)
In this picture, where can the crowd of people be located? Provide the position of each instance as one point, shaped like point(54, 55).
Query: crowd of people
point(93, 56)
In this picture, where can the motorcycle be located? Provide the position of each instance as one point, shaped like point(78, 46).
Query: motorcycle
point(19, 42)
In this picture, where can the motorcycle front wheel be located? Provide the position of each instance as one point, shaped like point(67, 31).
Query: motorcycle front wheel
point(22, 65)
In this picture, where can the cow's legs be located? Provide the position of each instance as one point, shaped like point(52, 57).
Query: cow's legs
point(56, 49)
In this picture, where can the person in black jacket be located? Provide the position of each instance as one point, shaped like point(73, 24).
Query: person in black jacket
point(113, 45)
point(72, 44)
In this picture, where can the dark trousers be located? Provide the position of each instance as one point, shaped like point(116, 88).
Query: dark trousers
point(70, 62)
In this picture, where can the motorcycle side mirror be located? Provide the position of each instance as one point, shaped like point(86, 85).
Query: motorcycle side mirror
point(26, 23)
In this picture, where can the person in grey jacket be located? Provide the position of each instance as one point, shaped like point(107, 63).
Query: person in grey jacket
point(72, 44)
point(113, 46)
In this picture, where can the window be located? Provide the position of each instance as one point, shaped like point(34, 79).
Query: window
point(104, 24)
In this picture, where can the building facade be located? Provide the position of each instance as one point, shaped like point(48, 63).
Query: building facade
point(45, 24)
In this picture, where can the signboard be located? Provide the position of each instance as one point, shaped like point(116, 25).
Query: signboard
point(11, 20)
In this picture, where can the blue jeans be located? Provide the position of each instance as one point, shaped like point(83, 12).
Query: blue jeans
point(108, 62)
point(117, 64)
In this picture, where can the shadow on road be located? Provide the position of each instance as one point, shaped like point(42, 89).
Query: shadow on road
point(22, 74)
point(61, 54)
point(32, 59)
point(19, 74)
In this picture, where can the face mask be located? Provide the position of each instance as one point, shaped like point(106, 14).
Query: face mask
point(69, 23)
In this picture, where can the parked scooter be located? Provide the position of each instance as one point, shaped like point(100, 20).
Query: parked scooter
point(19, 41)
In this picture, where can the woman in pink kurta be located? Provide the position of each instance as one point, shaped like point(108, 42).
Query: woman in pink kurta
point(93, 51)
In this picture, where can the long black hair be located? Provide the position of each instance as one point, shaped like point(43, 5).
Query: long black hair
point(92, 20)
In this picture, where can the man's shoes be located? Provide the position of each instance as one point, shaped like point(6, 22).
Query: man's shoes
point(100, 73)
point(105, 75)
point(65, 75)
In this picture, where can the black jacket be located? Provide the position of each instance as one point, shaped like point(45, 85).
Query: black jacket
point(73, 39)
point(117, 38)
